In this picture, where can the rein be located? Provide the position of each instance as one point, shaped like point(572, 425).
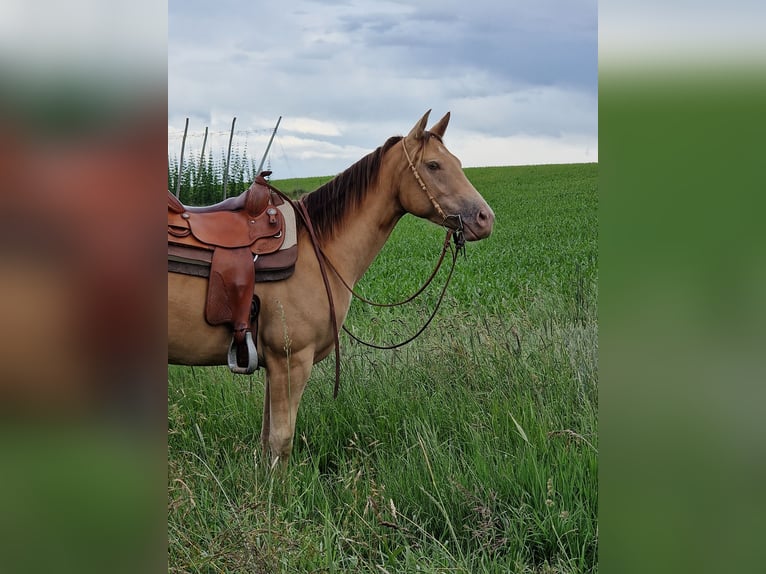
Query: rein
point(457, 234)
point(455, 253)
point(408, 299)
point(300, 208)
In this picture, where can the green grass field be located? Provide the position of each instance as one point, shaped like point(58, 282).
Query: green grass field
point(473, 449)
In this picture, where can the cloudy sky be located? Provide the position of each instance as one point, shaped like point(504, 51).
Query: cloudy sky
point(520, 78)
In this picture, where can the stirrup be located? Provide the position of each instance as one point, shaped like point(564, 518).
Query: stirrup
point(252, 355)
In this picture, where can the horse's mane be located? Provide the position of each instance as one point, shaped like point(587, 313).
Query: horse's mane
point(328, 204)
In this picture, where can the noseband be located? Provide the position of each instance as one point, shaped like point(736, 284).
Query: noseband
point(459, 240)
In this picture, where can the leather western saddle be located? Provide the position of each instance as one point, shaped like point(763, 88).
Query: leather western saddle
point(234, 243)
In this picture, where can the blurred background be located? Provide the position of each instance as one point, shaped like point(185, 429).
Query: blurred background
point(82, 360)
point(682, 316)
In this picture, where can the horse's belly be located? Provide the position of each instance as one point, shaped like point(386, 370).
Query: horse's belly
point(293, 313)
point(191, 340)
point(188, 349)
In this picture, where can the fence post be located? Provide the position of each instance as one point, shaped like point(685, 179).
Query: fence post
point(202, 153)
point(228, 156)
point(268, 147)
point(181, 160)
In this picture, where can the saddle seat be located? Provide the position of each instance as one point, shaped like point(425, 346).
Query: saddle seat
point(233, 243)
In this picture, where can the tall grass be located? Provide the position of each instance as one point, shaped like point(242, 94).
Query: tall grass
point(473, 449)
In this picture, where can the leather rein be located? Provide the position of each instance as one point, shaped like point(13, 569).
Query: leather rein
point(452, 233)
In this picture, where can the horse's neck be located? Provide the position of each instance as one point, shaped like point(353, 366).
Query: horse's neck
point(363, 234)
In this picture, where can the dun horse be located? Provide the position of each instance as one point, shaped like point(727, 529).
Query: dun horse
point(353, 215)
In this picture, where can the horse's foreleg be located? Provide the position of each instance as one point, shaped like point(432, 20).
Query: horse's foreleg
point(286, 381)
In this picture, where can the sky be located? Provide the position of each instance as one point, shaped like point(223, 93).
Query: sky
point(519, 78)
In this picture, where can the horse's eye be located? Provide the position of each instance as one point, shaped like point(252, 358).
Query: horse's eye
point(432, 165)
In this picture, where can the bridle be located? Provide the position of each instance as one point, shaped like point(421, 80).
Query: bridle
point(424, 187)
point(454, 233)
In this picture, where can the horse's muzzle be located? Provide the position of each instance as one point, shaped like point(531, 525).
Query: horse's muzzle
point(480, 225)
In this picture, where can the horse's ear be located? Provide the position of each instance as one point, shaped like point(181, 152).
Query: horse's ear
point(417, 131)
point(441, 126)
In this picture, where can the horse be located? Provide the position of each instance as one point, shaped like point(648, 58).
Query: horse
point(353, 215)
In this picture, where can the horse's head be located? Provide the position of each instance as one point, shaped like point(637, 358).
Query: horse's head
point(434, 186)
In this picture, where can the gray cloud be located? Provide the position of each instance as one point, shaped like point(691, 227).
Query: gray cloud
point(370, 69)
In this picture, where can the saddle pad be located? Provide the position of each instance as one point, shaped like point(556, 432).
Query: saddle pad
point(290, 230)
point(194, 261)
